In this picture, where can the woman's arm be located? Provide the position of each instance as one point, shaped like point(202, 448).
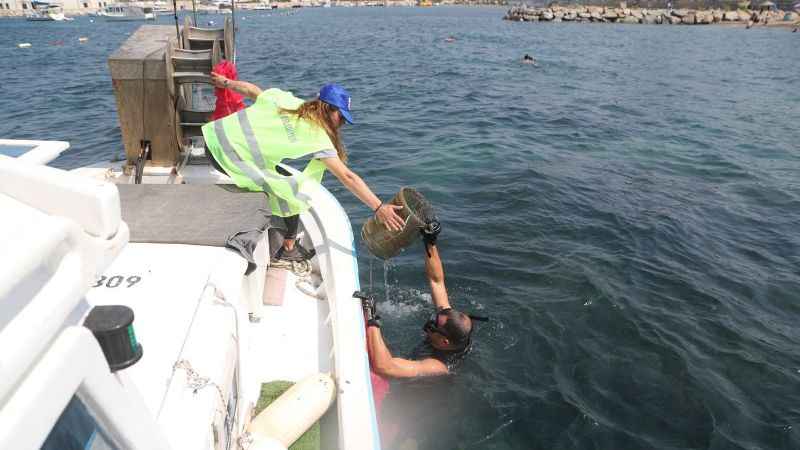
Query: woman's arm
point(249, 90)
point(385, 212)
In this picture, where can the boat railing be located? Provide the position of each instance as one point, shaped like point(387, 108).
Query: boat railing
point(35, 152)
point(328, 224)
point(62, 230)
point(74, 372)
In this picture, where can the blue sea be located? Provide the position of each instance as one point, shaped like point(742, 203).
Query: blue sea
point(627, 211)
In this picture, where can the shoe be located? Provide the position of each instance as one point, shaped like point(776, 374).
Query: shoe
point(296, 254)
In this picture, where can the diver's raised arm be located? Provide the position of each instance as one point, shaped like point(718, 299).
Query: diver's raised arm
point(434, 270)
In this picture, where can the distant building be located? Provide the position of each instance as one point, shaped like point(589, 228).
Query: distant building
point(81, 5)
point(15, 5)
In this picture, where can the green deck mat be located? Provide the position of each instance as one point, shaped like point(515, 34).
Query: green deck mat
point(310, 440)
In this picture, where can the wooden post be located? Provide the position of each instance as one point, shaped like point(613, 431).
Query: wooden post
point(145, 108)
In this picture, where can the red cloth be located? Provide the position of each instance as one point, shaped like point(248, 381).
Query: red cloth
point(228, 101)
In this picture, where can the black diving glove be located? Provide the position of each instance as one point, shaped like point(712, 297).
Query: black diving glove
point(370, 308)
point(429, 233)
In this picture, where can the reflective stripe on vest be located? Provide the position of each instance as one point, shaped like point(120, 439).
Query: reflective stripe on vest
point(255, 152)
point(257, 172)
point(252, 173)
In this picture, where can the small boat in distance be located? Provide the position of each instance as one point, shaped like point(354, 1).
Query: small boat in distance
point(120, 12)
point(160, 8)
point(45, 12)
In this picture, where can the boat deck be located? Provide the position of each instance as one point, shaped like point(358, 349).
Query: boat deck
point(292, 340)
point(178, 236)
point(163, 284)
point(301, 336)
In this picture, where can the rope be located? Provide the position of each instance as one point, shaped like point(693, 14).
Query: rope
point(245, 440)
point(302, 269)
point(183, 344)
point(224, 302)
point(196, 382)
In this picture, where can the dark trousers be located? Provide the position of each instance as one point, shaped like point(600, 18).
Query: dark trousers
point(292, 222)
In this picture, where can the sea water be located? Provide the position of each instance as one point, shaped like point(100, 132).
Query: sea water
point(626, 211)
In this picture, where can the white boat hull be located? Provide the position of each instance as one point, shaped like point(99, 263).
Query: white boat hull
point(51, 17)
point(191, 303)
point(124, 18)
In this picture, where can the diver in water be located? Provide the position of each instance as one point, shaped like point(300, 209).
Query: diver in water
point(448, 332)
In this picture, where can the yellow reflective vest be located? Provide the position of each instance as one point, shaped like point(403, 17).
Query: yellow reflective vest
point(248, 144)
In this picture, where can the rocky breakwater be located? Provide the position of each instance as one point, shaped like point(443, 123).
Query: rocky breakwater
point(650, 16)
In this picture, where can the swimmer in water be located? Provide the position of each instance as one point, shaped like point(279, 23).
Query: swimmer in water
point(448, 332)
point(528, 59)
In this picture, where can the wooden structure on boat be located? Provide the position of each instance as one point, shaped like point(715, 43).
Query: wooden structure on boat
point(154, 74)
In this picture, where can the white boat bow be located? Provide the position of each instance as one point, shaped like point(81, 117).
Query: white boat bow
point(68, 249)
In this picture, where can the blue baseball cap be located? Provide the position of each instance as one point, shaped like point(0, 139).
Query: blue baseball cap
point(337, 96)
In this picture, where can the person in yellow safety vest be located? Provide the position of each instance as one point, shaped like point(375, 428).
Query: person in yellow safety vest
point(248, 145)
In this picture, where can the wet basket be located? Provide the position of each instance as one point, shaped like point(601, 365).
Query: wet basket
point(416, 212)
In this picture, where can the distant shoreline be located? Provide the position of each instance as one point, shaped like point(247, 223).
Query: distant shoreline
point(743, 18)
point(248, 7)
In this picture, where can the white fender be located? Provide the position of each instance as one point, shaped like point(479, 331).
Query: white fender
point(266, 443)
point(294, 412)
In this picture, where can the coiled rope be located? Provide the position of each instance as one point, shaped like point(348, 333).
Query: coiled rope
point(301, 269)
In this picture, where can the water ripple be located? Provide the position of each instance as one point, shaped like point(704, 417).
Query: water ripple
point(626, 211)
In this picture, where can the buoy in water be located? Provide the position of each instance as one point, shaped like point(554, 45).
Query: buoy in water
point(83, 39)
point(24, 45)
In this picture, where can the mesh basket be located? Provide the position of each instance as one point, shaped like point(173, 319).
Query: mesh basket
point(416, 212)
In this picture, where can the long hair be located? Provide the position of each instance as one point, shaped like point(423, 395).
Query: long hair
point(320, 113)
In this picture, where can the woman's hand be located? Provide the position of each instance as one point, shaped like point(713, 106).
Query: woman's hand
point(387, 215)
point(219, 80)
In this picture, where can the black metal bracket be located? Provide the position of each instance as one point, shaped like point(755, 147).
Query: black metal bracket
point(141, 160)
